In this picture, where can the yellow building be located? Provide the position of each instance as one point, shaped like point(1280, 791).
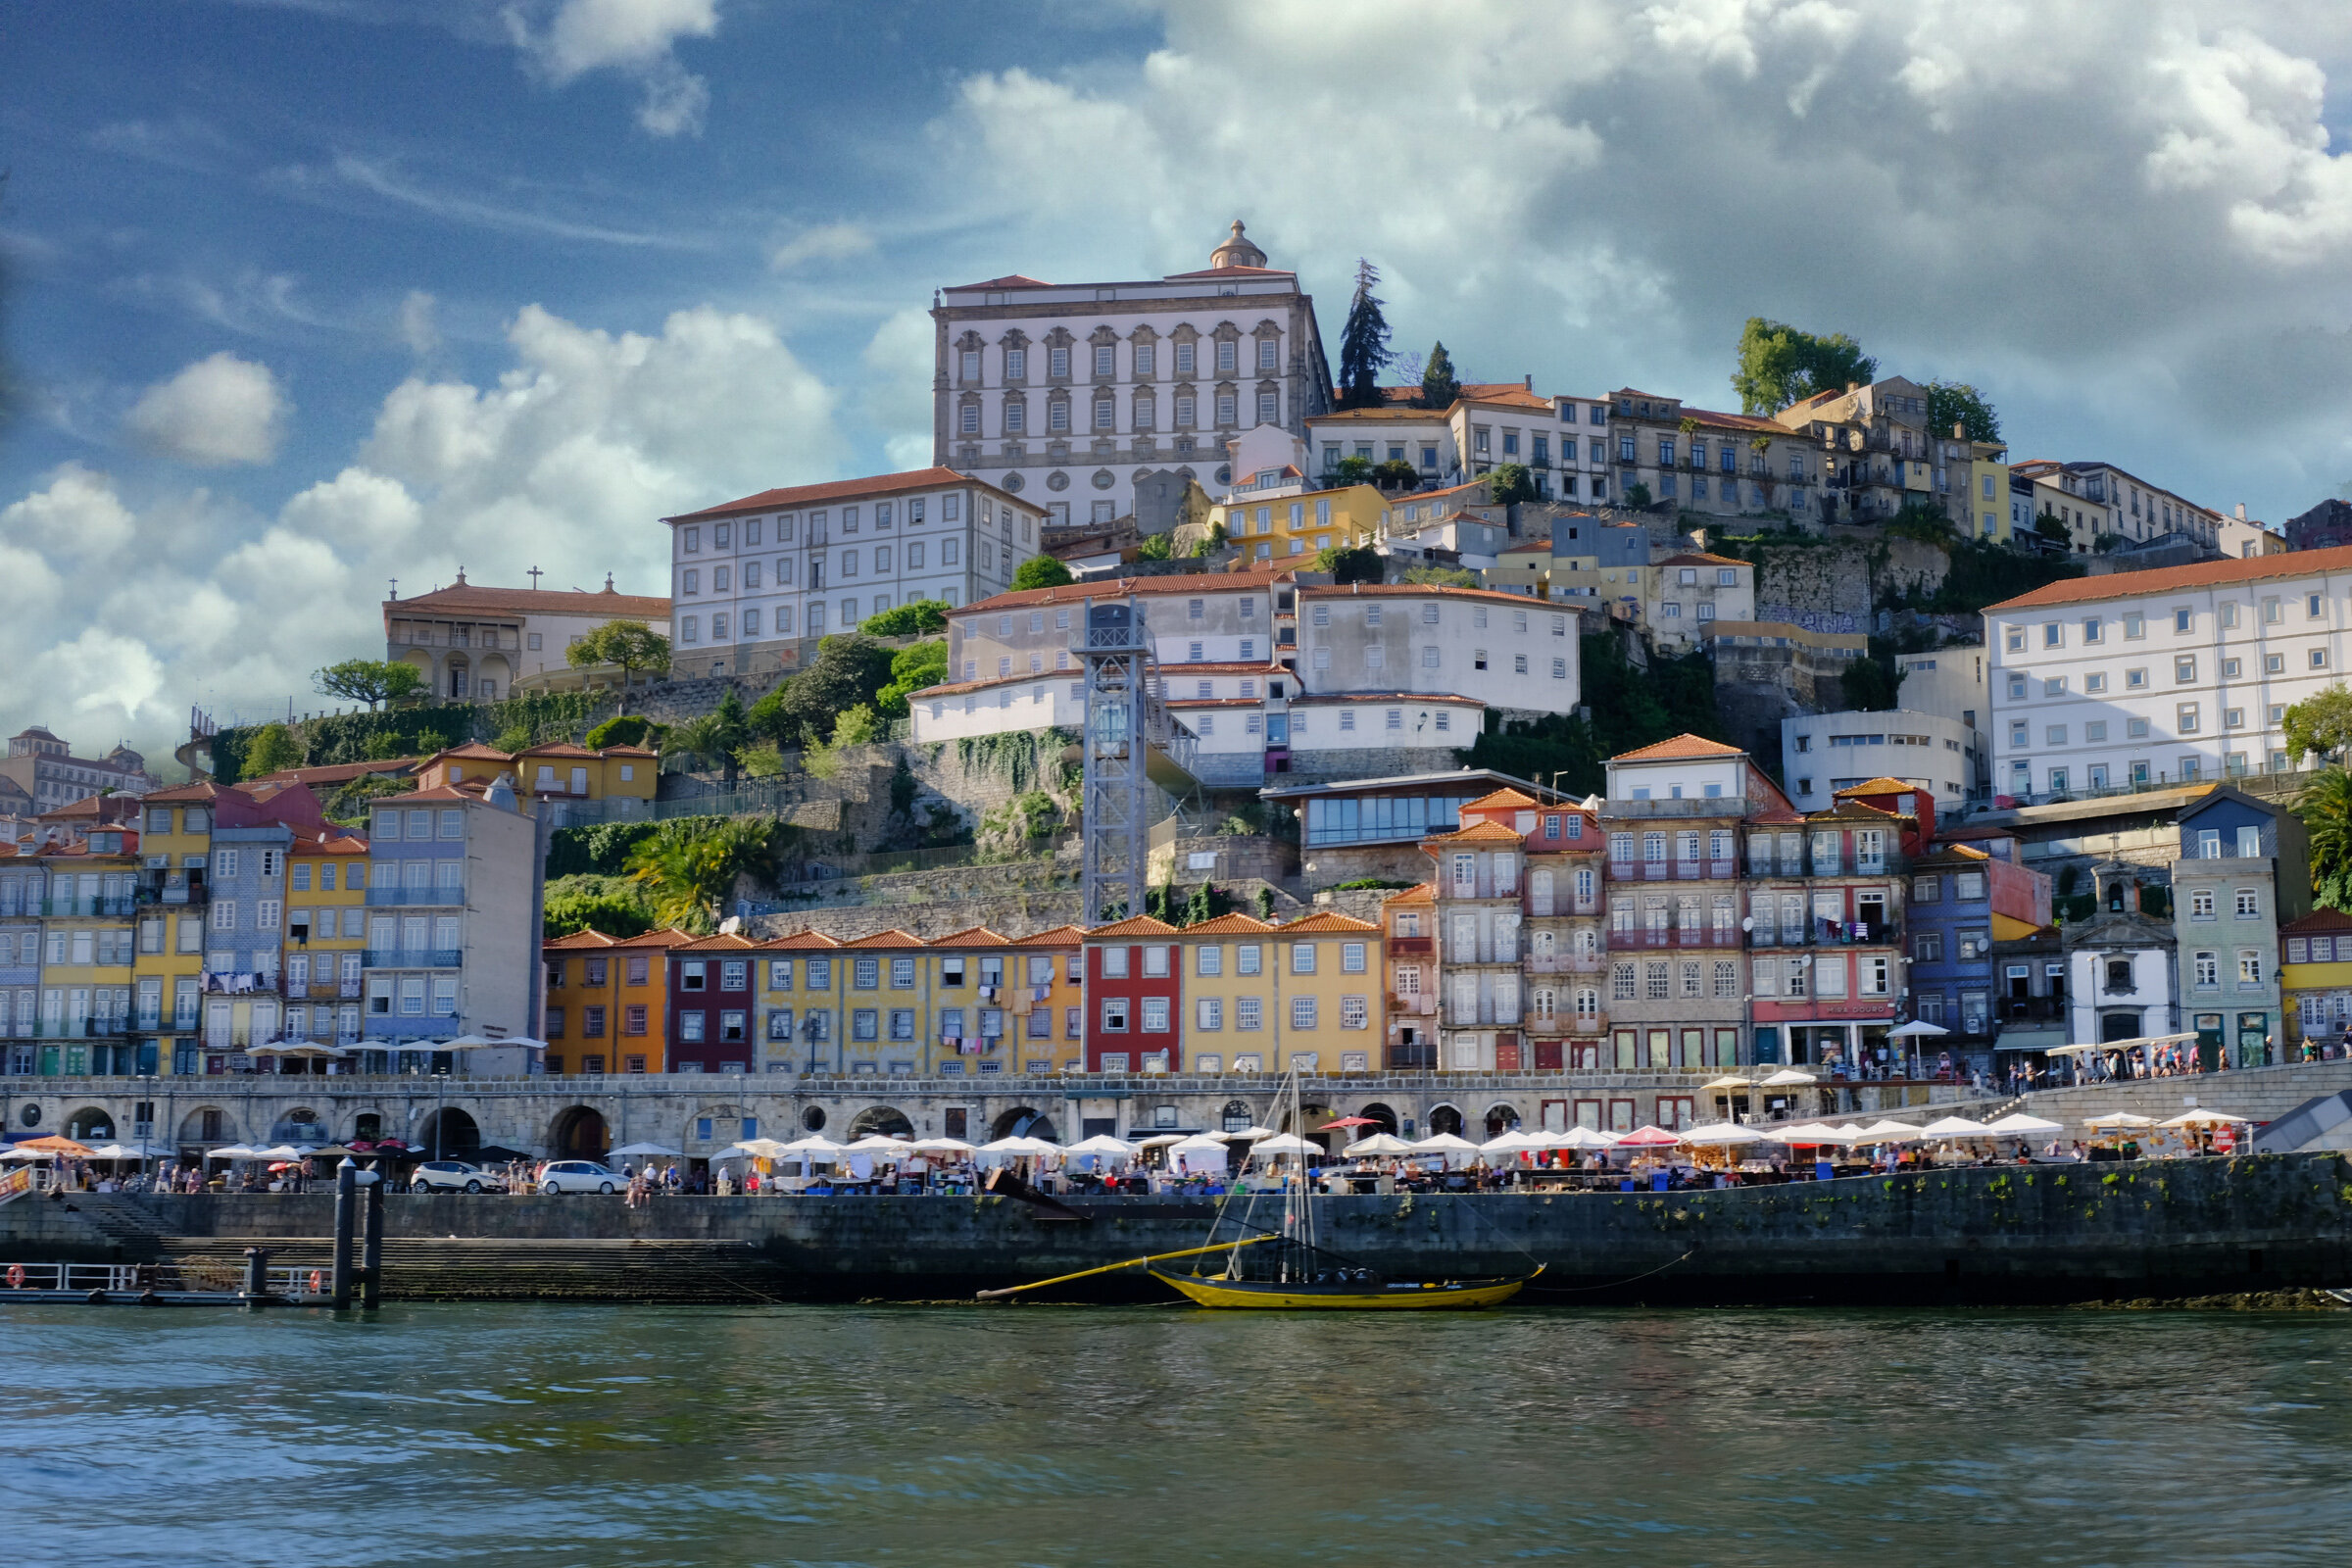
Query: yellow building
point(1271, 526)
point(2314, 977)
point(326, 900)
point(1609, 565)
point(884, 1029)
point(1226, 970)
point(558, 770)
point(1050, 1003)
point(800, 998)
point(1334, 1013)
point(87, 937)
point(1986, 512)
point(173, 896)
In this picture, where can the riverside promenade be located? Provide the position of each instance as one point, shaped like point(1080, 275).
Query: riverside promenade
point(1986, 1235)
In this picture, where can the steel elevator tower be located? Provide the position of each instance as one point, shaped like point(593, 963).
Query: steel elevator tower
point(1118, 677)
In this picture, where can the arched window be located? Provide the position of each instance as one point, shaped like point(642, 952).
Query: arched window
point(1545, 1001)
point(1588, 1004)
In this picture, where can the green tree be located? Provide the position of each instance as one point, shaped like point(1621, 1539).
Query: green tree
point(700, 740)
point(631, 644)
point(690, 866)
point(2053, 526)
point(625, 729)
point(1351, 563)
point(1349, 470)
point(349, 803)
point(372, 681)
point(1778, 365)
point(272, 750)
point(1951, 403)
point(1156, 546)
point(515, 738)
point(1442, 576)
point(2320, 724)
point(1038, 571)
point(1438, 388)
point(1872, 684)
point(1396, 474)
point(1363, 343)
point(848, 670)
point(911, 669)
point(1637, 496)
point(731, 731)
point(1512, 483)
point(2326, 807)
point(922, 618)
point(856, 727)
point(611, 905)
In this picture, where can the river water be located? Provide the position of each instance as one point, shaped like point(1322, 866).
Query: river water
point(619, 1436)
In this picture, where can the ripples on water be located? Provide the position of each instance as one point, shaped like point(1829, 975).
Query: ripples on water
point(627, 1437)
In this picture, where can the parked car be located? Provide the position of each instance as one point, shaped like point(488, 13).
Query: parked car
point(580, 1176)
point(454, 1176)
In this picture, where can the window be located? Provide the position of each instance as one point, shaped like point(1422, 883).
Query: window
point(2208, 969)
point(1156, 1015)
point(2183, 620)
point(2185, 669)
point(2249, 904)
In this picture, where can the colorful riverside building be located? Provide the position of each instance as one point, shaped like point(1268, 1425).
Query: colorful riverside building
point(1134, 996)
point(1006, 1005)
point(327, 939)
point(606, 1001)
point(800, 1003)
point(2316, 977)
point(2228, 901)
point(88, 939)
point(1329, 1011)
point(1409, 922)
point(711, 1000)
point(556, 772)
point(1961, 900)
point(453, 917)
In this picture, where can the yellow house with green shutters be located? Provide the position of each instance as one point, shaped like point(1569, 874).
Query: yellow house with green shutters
point(2314, 978)
point(1283, 518)
point(88, 934)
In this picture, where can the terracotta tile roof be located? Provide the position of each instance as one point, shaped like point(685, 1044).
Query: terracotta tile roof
point(1505, 394)
point(892, 938)
point(1878, 786)
point(1325, 921)
point(1060, 936)
point(2172, 579)
point(200, 791)
point(956, 688)
point(446, 793)
point(1502, 800)
point(463, 598)
point(1418, 893)
point(1322, 698)
point(1393, 414)
point(793, 940)
point(556, 749)
point(1954, 855)
point(729, 942)
point(2316, 921)
point(1700, 557)
point(577, 940)
point(1229, 925)
point(879, 485)
point(1408, 590)
point(977, 936)
point(1008, 280)
point(1477, 832)
point(1140, 925)
point(339, 773)
point(336, 843)
point(1229, 272)
point(473, 750)
point(1679, 748)
point(1847, 810)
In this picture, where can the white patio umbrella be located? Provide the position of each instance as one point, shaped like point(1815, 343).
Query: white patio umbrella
point(1884, 1131)
point(1807, 1132)
point(1445, 1143)
point(281, 1151)
point(2205, 1118)
point(1287, 1144)
point(1947, 1127)
point(1513, 1141)
point(1715, 1133)
point(1027, 1147)
point(879, 1144)
point(942, 1146)
point(30, 1153)
point(1730, 1080)
point(232, 1151)
point(1915, 1029)
point(1579, 1137)
point(126, 1152)
point(1379, 1144)
point(2017, 1124)
point(1787, 1078)
point(1246, 1135)
point(646, 1151)
point(2113, 1119)
point(1105, 1144)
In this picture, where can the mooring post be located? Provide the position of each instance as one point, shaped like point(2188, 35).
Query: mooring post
point(371, 1243)
point(346, 1201)
point(256, 1276)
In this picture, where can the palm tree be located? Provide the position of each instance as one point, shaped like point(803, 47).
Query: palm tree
point(689, 867)
point(701, 740)
point(2326, 807)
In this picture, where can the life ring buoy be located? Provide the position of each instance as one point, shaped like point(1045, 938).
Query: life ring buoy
point(317, 1281)
point(15, 1276)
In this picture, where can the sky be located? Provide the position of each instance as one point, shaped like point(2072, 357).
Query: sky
point(307, 296)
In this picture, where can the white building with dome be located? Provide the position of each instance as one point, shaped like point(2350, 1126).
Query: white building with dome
point(1067, 394)
point(47, 773)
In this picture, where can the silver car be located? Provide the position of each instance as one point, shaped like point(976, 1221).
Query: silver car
point(580, 1176)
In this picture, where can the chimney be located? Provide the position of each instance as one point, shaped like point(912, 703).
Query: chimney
point(2241, 511)
point(1530, 380)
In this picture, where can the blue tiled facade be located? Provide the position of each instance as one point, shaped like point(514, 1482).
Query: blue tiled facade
point(21, 894)
point(1952, 975)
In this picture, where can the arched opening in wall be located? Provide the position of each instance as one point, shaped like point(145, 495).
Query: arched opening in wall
point(1233, 1117)
point(814, 1119)
point(578, 1133)
point(449, 1133)
point(888, 1121)
point(1380, 1114)
point(1446, 1119)
point(1024, 1121)
point(1310, 1121)
point(367, 1127)
point(91, 1124)
point(207, 1124)
point(301, 1125)
point(1500, 1119)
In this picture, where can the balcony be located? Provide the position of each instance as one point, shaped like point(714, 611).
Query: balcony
point(1673, 871)
point(1399, 944)
point(1707, 805)
point(1873, 934)
point(1420, 1005)
point(90, 906)
point(319, 990)
point(80, 1028)
point(414, 957)
point(387, 898)
point(174, 887)
point(1697, 937)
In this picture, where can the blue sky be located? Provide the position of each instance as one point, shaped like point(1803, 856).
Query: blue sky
point(312, 294)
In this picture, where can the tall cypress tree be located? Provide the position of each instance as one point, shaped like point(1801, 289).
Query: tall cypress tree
point(1438, 388)
point(1364, 344)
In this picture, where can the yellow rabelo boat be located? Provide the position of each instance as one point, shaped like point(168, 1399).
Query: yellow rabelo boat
point(1294, 1274)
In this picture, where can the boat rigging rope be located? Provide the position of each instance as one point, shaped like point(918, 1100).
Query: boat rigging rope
point(1614, 1285)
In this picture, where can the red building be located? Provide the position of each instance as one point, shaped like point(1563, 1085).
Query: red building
point(710, 1005)
point(1134, 997)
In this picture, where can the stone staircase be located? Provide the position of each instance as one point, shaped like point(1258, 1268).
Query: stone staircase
point(124, 1220)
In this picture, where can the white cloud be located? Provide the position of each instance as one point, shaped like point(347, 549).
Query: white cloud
point(419, 327)
point(827, 242)
point(566, 462)
point(899, 363)
point(2108, 213)
point(218, 411)
point(633, 37)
